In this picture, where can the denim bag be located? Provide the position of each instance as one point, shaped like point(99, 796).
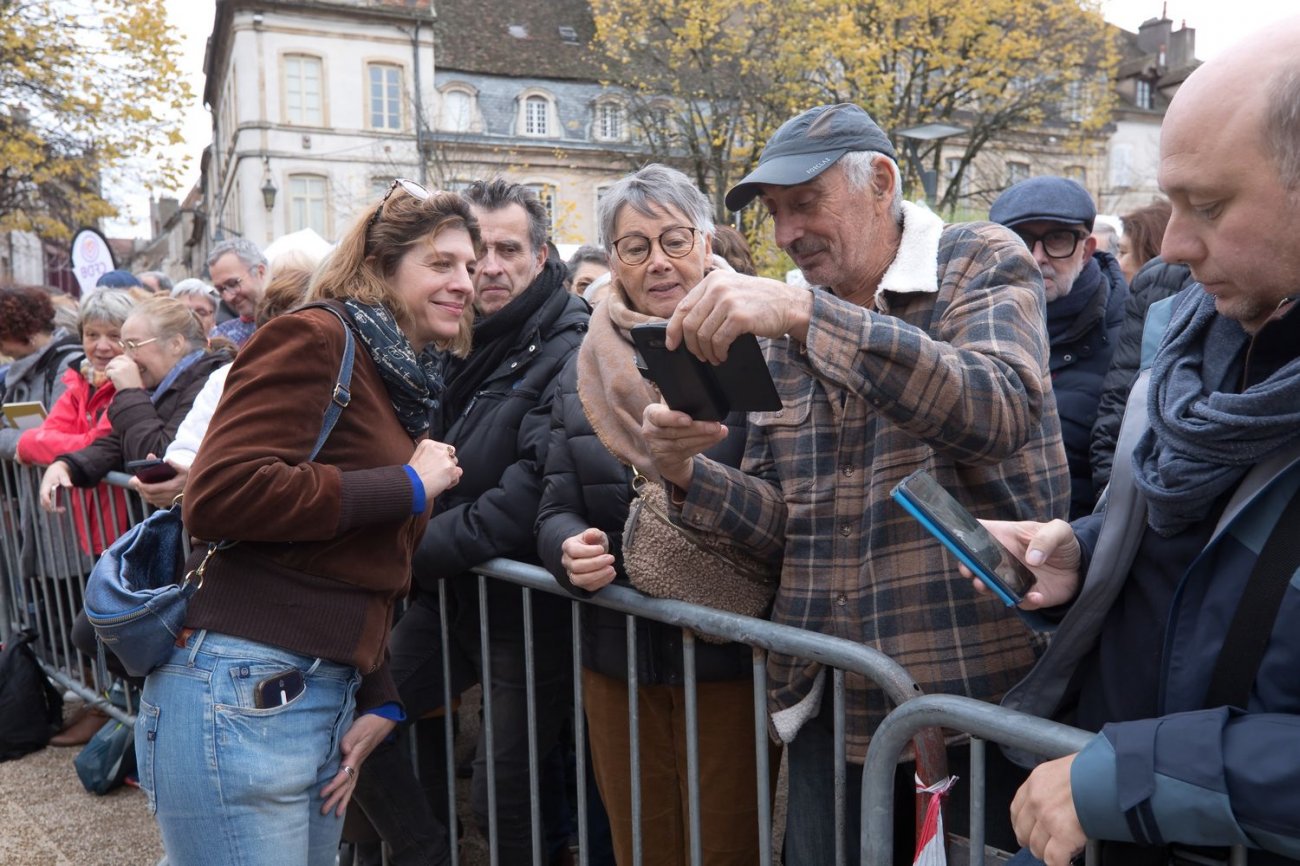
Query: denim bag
point(135, 598)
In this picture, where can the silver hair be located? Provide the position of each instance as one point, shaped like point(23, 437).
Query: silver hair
point(195, 286)
point(647, 192)
point(249, 253)
point(858, 167)
point(106, 305)
point(164, 281)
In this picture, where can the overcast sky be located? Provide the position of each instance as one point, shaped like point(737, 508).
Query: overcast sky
point(1218, 24)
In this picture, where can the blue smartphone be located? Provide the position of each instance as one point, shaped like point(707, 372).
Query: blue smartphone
point(947, 520)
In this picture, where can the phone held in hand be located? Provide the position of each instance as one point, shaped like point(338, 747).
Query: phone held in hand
point(948, 520)
point(702, 390)
point(278, 689)
point(151, 471)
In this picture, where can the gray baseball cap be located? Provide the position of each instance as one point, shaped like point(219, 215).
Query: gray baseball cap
point(1044, 199)
point(807, 145)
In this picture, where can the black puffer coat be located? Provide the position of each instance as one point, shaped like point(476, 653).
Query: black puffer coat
point(1080, 358)
point(586, 486)
point(1155, 280)
point(501, 438)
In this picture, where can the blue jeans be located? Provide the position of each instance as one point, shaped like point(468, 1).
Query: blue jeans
point(233, 785)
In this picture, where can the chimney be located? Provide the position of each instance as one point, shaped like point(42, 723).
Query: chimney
point(162, 210)
point(1153, 34)
point(1182, 48)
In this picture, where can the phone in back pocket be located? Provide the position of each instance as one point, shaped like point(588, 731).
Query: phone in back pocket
point(278, 689)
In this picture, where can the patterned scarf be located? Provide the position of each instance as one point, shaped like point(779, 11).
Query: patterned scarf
point(1202, 439)
point(413, 383)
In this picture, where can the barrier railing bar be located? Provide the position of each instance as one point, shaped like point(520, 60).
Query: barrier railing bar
point(579, 733)
point(841, 781)
point(634, 733)
point(448, 734)
point(989, 721)
point(692, 748)
point(763, 784)
point(978, 751)
point(488, 738)
point(530, 689)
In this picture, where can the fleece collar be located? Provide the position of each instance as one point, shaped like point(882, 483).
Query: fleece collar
point(916, 265)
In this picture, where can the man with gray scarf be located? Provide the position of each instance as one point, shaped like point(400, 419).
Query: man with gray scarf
point(1193, 561)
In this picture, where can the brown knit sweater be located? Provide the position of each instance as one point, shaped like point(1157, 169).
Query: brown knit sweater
point(324, 547)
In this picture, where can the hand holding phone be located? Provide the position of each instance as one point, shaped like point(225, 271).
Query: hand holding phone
point(948, 520)
point(706, 392)
point(151, 471)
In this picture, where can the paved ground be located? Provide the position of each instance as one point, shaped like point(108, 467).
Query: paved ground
point(48, 819)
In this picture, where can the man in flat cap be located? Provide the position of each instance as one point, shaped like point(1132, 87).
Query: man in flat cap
point(920, 346)
point(1086, 292)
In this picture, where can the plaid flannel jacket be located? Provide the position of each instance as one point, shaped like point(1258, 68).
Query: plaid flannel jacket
point(954, 381)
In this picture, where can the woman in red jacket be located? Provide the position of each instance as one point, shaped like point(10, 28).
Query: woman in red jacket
point(80, 416)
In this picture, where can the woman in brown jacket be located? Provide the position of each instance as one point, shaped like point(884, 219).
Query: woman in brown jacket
point(252, 733)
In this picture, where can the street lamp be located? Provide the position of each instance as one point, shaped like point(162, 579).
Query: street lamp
point(268, 193)
point(926, 132)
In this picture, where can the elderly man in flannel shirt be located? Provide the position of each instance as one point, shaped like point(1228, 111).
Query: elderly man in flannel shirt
point(921, 346)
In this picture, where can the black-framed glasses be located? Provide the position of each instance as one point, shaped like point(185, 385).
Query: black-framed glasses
point(410, 186)
point(233, 284)
point(1058, 243)
point(676, 242)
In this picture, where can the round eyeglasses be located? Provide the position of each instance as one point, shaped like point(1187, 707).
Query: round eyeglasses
point(1058, 243)
point(676, 242)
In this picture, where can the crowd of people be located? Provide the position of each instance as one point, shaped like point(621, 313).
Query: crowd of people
point(1117, 415)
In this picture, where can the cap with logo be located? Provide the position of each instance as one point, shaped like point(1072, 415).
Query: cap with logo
point(1044, 199)
point(807, 145)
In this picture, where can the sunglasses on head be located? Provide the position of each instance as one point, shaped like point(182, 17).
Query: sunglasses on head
point(410, 186)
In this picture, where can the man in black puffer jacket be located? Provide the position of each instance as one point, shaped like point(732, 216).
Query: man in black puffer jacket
point(1155, 280)
point(1085, 291)
point(496, 412)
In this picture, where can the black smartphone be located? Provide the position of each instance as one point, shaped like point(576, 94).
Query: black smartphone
point(278, 689)
point(706, 392)
point(151, 471)
point(948, 520)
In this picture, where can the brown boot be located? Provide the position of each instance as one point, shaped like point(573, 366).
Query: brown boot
point(80, 728)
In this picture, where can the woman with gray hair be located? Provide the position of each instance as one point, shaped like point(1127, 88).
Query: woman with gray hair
point(201, 298)
point(658, 229)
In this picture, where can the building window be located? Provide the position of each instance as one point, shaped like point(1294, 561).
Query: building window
point(456, 113)
point(952, 165)
point(537, 111)
point(385, 96)
point(611, 121)
point(1143, 98)
point(1121, 165)
point(1016, 172)
point(302, 90)
point(307, 203)
point(546, 194)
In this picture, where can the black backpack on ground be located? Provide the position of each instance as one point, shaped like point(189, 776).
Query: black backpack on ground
point(31, 708)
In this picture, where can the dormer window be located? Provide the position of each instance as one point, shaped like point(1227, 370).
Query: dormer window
point(538, 117)
point(611, 121)
point(1143, 96)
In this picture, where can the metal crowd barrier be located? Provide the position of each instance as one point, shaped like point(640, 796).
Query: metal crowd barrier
point(43, 569)
point(44, 566)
